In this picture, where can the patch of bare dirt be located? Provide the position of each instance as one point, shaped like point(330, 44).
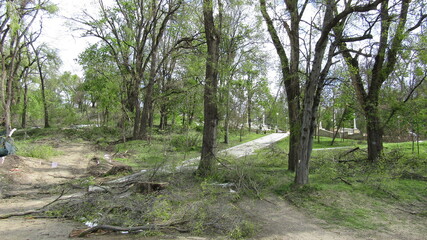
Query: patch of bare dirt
point(279, 220)
point(32, 171)
point(22, 182)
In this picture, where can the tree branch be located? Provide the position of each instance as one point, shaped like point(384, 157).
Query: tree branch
point(420, 21)
point(393, 112)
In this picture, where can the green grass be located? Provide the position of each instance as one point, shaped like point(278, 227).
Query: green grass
point(172, 148)
point(42, 151)
point(325, 142)
point(408, 148)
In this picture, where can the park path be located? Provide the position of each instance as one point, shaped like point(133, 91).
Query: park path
point(238, 151)
point(243, 149)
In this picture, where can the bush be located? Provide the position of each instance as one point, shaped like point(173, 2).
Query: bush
point(188, 142)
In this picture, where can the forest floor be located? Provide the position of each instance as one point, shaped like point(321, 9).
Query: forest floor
point(27, 183)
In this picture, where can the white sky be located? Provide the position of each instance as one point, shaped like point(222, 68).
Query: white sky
point(58, 33)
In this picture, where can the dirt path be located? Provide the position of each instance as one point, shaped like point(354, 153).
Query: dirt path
point(280, 220)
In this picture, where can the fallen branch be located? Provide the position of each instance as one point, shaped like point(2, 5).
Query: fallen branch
point(19, 214)
point(345, 181)
point(349, 151)
point(111, 228)
point(39, 210)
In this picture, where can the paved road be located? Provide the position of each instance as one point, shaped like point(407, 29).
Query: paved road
point(244, 149)
point(250, 147)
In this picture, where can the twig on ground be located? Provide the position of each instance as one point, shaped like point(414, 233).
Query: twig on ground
point(348, 152)
point(29, 212)
point(344, 181)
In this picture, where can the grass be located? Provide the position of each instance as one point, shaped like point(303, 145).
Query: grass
point(41, 151)
point(325, 142)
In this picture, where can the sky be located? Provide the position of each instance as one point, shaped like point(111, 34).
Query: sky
point(58, 33)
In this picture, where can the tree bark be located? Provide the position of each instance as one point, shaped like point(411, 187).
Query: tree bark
point(208, 154)
point(43, 92)
point(374, 132)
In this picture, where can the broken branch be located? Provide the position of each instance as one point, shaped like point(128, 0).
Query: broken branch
point(39, 210)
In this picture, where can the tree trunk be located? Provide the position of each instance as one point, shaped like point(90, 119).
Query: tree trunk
point(24, 108)
point(339, 125)
point(163, 117)
point(294, 134)
point(136, 123)
point(208, 155)
point(148, 99)
point(249, 111)
point(374, 132)
point(43, 89)
point(290, 74)
point(43, 86)
point(227, 114)
point(7, 114)
point(383, 65)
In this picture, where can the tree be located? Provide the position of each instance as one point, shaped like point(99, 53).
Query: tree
point(100, 84)
point(45, 58)
point(132, 30)
point(302, 116)
point(239, 45)
point(381, 65)
point(213, 38)
point(16, 19)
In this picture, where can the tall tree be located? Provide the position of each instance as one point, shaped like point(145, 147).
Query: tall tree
point(213, 38)
point(16, 19)
point(369, 79)
point(302, 116)
point(44, 57)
